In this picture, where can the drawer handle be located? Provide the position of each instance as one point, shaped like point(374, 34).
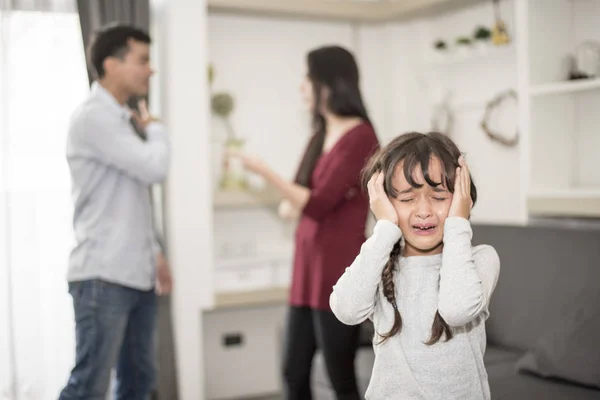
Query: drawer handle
point(233, 339)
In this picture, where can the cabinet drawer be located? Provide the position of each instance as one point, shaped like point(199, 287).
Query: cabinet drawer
point(242, 352)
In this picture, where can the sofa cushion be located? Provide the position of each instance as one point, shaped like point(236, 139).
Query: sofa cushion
point(507, 384)
point(543, 269)
point(570, 351)
point(497, 355)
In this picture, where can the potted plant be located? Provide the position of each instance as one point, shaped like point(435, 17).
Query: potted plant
point(440, 45)
point(482, 37)
point(233, 176)
point(222, 105)
point(440, 50)
point(463, 44)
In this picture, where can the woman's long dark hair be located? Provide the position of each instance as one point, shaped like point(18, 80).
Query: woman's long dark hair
point(413, 150)
point(334, 69)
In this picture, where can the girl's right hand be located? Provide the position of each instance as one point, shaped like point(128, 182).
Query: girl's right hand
point(379, 201)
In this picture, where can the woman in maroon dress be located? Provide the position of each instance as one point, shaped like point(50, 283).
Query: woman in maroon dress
point(333, 214)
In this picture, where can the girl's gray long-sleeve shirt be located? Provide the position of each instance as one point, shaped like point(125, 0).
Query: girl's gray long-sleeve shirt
point(458, 282)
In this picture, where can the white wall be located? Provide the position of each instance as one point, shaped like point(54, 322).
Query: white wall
point(420, 80)
point(180, 37)
point(371, 44)
point(261, 61)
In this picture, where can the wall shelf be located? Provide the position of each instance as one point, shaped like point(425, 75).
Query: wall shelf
point(565, 87)
point(571, 203)
point(559, 116)
point(472, 55)
point(245, 199)
point(266, 296)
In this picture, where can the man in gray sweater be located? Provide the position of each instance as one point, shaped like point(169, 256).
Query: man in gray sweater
point(116, 266)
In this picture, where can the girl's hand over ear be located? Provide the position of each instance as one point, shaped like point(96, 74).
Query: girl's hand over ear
point(380, 203)
point(461, 198)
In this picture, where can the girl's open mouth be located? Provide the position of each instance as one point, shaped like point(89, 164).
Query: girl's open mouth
point(424, 229)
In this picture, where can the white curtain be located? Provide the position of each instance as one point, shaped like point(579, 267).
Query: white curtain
point(42, 79)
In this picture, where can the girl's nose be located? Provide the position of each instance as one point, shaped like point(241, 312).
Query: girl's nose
point(423, 209)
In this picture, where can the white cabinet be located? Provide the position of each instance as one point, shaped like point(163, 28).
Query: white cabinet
point(253, 273)
point(242, 350)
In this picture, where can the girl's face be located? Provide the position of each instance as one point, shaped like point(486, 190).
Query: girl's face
point(421, 211)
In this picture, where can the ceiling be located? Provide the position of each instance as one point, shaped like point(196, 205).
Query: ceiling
point(349, 10)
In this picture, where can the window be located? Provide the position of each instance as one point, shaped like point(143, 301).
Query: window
point(42, 80)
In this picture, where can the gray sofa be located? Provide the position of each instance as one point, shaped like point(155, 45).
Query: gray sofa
point(544, 329)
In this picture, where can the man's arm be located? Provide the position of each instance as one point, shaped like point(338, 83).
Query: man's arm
point(113, 142)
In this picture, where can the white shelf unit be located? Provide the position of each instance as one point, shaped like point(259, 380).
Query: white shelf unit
point(223, 199)
point(568, 203)
point(471, 54)
point(560, 116)
point(567, 87)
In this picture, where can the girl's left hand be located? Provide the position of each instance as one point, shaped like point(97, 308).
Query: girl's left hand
point(251, 163)
point(461, 199)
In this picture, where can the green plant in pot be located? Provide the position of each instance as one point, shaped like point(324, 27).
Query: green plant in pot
point(440, 45)
point(463, 44)
point(463, 41)
point(233, 176)
point(482, 36)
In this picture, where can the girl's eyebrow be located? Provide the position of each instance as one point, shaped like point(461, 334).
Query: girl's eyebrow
point(438, 189)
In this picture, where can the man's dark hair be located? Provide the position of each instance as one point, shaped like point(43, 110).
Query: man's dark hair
point(112, 40)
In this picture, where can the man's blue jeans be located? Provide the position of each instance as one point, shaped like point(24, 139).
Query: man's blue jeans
point(114, 327)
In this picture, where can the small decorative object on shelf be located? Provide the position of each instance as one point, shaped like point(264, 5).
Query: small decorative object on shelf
point(493, 104)
point(499, 33)
point(463, 45)
point(481, 37)
point(482, 34)
point(222, 104)
point(586, 64)
point(463, 41)
point(440, 45)
point(233, 176)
